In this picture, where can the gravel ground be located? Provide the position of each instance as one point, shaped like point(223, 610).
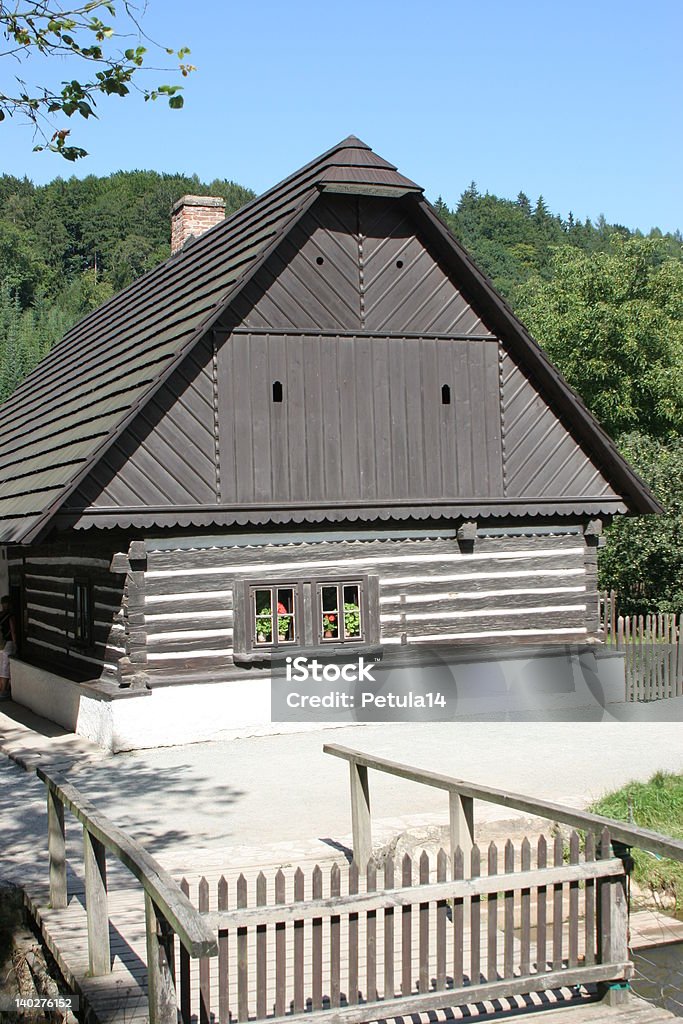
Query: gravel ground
point(283, 792)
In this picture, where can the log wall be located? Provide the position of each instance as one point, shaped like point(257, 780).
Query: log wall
point(46, 575)
point(164, 611)
point(535, 587)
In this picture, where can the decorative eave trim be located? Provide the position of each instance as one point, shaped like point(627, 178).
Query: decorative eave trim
point(259, 515)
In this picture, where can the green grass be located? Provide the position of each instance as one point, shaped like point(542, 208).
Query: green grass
point(658, 805)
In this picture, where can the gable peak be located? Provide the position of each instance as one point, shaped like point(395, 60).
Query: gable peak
point(352, 165)
point(352, 142)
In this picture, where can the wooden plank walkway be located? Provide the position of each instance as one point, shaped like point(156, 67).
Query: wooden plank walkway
point(121, 998)
point(635, 1011)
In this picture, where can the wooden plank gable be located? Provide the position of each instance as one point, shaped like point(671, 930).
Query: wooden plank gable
point(361, 419)
point(167, 456)
point(358, 373)
point(356, 263)
point(541, 456)
point(407, 388)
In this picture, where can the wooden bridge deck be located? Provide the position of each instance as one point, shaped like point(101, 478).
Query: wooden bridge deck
point(121, 998)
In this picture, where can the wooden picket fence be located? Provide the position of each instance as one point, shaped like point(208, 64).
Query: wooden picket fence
point(416, 935)
point(653, 649)
point(653, 645)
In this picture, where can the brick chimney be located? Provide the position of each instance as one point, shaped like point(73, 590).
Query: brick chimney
point(193, 215)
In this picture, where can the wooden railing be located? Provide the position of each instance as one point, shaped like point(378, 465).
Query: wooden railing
point(411, 936)
point(168, 911)
point(462, 795)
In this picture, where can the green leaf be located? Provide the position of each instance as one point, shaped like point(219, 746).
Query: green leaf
point(176, 102)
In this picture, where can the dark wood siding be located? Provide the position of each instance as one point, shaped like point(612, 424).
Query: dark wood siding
point(357, 325)
point(168, 455)
point(536, 588)
point(346, 244)
point(355, 263)
point(541, 456)
point(47, 575)
point(361, 419)
point(404, 287)
point(295, 290)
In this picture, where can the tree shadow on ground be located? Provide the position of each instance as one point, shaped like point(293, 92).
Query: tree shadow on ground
point(162, 808)
point(150, 805)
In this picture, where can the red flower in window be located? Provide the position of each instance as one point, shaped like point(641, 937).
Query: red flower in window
point(332, 618)
point(281, 610)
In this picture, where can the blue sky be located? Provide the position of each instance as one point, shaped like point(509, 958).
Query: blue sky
point(579, 101)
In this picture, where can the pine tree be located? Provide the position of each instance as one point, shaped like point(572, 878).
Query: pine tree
point(524, 203)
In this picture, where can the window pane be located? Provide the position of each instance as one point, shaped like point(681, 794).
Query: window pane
point(81, 612)
point(329, 604)
point(263, 616)
point(352, 610)
point(330, 626)
point(285, 615)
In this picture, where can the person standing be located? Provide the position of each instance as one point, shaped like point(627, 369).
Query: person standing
point(8, 629)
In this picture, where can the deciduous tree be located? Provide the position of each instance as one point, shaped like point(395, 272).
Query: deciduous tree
point(643, 557)
point(94, 37)
point(613, 323)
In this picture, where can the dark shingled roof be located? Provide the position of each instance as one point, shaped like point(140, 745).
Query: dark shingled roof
point(87, 389)
point(79, 397)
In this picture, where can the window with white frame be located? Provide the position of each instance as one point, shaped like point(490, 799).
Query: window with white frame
point(340, 612)
point(280, 615)
point(274, 615)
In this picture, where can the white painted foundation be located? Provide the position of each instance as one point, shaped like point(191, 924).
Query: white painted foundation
point(162, 717)
point(172, 715)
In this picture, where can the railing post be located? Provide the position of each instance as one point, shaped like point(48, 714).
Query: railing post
point(56, 846)
point(97, 911)
point(360, 815)
point(161, 993)
point(461, 813)
point(612, 923)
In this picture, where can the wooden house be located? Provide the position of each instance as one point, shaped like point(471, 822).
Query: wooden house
point(315, 426)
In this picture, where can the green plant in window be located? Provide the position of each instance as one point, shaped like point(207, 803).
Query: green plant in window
point(351, 619)
point(330, 625)
point(264, 624)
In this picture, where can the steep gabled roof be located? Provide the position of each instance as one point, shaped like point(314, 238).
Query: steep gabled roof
point(83, 395)
point(68, 410)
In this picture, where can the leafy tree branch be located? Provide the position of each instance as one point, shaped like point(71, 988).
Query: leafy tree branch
point(107, 67)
